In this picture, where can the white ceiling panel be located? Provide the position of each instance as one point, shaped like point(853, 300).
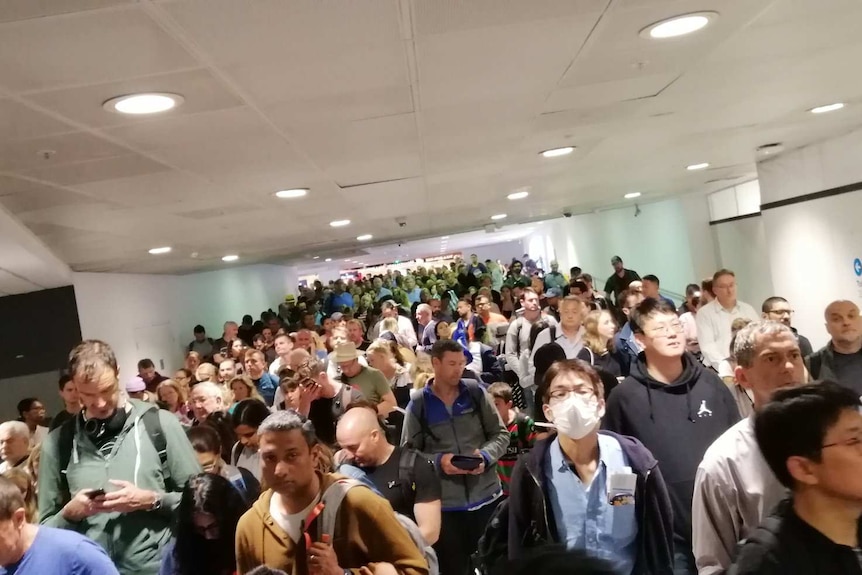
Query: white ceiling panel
point(14, 10)
point(18, 122)
point(98, 170)
point(26, 155)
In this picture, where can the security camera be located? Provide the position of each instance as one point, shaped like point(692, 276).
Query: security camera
point(567, 214)
point(402, 222)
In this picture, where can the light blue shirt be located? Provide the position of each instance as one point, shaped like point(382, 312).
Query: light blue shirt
point(415, 295)
point(585, 519)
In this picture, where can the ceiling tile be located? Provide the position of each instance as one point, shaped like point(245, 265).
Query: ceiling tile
point(98, 170)
point(14, 10)
point(63, 149)
point(18, 122)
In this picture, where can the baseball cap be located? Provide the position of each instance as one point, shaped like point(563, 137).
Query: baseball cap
point(554, 292)
point(135, 385)
point(337, 316)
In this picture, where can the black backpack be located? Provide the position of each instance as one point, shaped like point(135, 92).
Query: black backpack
point(65, 445)
point(493, 547)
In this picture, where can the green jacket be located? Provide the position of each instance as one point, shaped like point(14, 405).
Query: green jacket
point(133, 540)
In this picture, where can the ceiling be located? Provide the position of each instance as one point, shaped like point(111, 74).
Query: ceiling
point(422, 111)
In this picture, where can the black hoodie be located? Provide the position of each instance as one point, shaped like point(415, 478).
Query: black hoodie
point(677, 422)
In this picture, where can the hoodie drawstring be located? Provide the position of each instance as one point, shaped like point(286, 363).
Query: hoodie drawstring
point(688, 401)
point(649, 399)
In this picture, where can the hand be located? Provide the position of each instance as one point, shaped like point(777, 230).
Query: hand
point(378, 569)
point(481, 469)
point(127, 498)
point(448, 468)
point(80, 507)
point(322, 559)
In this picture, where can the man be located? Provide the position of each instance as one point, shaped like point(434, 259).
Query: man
point(734, 489)
point(449, 418)
point(593, 299)
point(518, 349)
point(809, 435)
point(147, 372)
point(226, 371)
point(407, 480)
point(841, 359)
point(530, 266)
point(588, 484)
point(27, 549)
point(379, 289)
point(625, 342)
point(777, 308)
point(484, 310)
point(279, 532)
point(429, 335)
point(305, 341)
point(405, 326)
point(516, 276)
point(201, 343)
point(104, 450)
point(554, 279)
point(205, 399)
point(246, 330)
point(651, 285)
point(287, 309)
point(552, 299)
point(339, 299)
point(71, 404)
point(620, 279)
point(579, 289)
point(369, 381)
point(255, 368)
point(715, 318)
point(32, 412)
point(221, 347)
point(568, 334)
point(14, 444)
point(675, 407)
point(468, 323)
point(283, 345)
point(414, 292)
point(423, 319)
point(356, 334)
point(476, 268)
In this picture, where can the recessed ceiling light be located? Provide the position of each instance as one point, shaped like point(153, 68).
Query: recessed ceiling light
point(445, 238)
point(518, 195)
point(364, 237)
point(339, 223)
point(316, 258)
point(157, 251)
point(498, 217)
point(632, 195)
point(827, 108)
point(328, 260)
point(557, 152)
point(695, 167)
point(141, 104)
point(292, 193)
point(678, 25)
point(230, 258)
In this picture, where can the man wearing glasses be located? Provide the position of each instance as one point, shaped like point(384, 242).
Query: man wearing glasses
point(675, 407)
point(777, 308)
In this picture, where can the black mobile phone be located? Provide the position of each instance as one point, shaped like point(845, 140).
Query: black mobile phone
point(467, 462)
point(93, 493)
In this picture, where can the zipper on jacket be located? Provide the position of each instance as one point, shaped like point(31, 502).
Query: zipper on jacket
point(458, 447)
point(544, 505)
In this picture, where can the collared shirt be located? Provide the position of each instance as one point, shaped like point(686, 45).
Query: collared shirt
point(733, 492)
point(571, 345)
point(583, 516)
point(713, 329)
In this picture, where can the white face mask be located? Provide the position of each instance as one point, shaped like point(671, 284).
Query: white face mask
point(575, 417)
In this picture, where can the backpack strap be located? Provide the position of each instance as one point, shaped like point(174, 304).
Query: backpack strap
point(553, 327)
point(65, 445)
point(477, 397)
point(235, 452)
point(406, 475)
point(331, 500)
point(523, 430)
point(153, 426)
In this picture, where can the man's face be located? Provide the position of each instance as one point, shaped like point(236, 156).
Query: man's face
point(663, 334)
point(571, 315)
point(147, 373)
point(350, 368)
point(632, 301)
point(650, 289)
point(226, 371)
point(13, 448)
point(449, 368)
point(36, 413)
point(839, 471)
point(390, 312)
point(287, 462)
point(409, 283)
point(308, 321)
point(618, 266)
point(517, 268)
point(530, 301)
point(423, 316)
point(69, 393)
point(11, 534)
point(474, 259)
point(354, 332)
point(555, 267)
point(463, 310)
point(254, 365)
point(777, 363)
point(99, 396)
point(779, 311)
point(843, 322)
point(200, 336)
point(436, 307)
point(725, 289)
point(359, 446)
point(203, 402)
point(267, 334)
point(339, 337)
point(283, 345)
point(338, 288)
point(230, 331)
point(483, 306)
point(303, 339)
point(377, 283)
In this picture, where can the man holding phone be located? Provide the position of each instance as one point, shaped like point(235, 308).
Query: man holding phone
point(455, 424)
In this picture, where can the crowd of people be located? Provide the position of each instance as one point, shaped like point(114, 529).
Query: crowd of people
point(515, 419)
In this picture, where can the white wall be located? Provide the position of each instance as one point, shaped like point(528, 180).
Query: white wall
point(503, 251)
point(742, 248)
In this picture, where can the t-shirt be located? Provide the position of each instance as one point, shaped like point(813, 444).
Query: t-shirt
point(425, 487)
point(616, 284)
point(62, 552)
point(371, 383)
point(291, 523)
point(848, 370)
point(522, 436)
point(60, 419)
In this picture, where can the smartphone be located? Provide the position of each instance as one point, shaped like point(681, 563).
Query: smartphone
point(467, 462)
point(93, 493)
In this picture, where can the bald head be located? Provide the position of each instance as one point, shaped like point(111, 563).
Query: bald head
point(844, 325)
point(360, 436)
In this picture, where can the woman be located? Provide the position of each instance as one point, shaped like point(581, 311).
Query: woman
point(246, 418)
point(206, 372)
point(243, 388)
point(442, 330)
point(421, 370)
point(193, 360)
point(598, 350)
point(184, 379)
point(32, 466)
point(380, 356)
point(205, 540)
point(507, 305)
point(175, 400)
point(237, 353)
point(27, 486)
point(207, 445)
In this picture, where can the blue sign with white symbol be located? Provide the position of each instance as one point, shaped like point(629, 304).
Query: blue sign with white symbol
point(857, 267)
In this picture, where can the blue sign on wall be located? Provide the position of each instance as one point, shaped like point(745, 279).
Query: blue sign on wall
point(857, 267)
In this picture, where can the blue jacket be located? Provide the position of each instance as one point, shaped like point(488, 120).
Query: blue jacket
point(266, 385)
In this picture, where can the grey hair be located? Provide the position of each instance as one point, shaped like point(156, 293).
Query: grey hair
point(16, 428)
point(288, 420)
point(423, 307)
point(212, 389)
point(745, 343)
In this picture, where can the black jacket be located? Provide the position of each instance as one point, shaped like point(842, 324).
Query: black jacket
point(785, 545)
point(677, 422)
point(531, 524)
point(821, 366)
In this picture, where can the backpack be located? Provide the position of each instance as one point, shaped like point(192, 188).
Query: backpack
point(65, 445)
point(493, 545)
point(335, 494)
point(477, 396)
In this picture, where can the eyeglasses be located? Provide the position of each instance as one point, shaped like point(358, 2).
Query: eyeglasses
point(855, 442)
point(562, 393)
point(781, 312)
point(666, 329)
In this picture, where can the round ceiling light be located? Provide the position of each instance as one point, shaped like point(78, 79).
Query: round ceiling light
point(230, 258)
point(695, 167)
point(827, 108)
point(498, 217)
point(364, 237)
point(557, 152)
point(142, 104)
point(157, 251)
point(518, 195)
point(316, 258)
point(339, 223)
point(678, 25)
point(292, 193)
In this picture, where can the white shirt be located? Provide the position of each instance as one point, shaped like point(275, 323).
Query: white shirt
point(291, 523)
point(734, 490)
point(713, 329)
point(405, 328)
point(274, 367)
point(249, 459)
point(37, 436)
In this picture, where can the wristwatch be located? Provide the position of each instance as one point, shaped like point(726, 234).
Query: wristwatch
point(157, 504)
